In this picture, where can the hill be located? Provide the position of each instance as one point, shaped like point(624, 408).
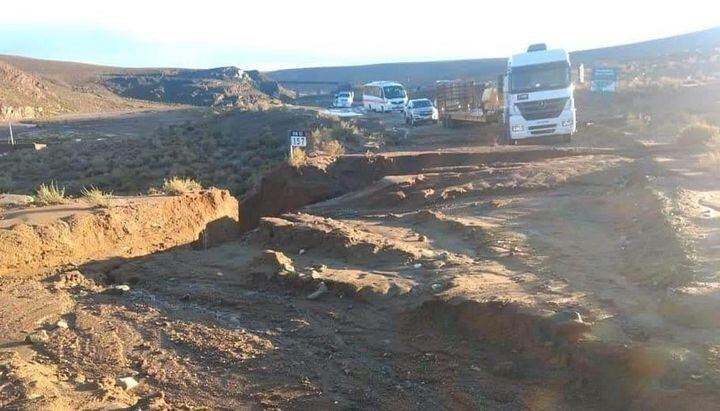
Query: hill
point(421, 73)
point(31, 88)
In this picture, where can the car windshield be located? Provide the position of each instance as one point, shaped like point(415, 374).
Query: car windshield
point(540, 77)
point(394, 92)
point(422, 103)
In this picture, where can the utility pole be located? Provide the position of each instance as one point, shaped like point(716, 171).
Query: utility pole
point(12, 139)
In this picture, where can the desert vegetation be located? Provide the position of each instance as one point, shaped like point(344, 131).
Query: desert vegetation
point(50, 194)
point(96, 196)
point(180, 185)
point(699, 133)
point(229, 151)
point(298, 157)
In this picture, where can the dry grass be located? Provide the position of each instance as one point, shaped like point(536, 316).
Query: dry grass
point(332, 148)
point(49, 194)
point(710, 162)
point(699, 133)
point(298, 157)
point(96, 197)
point(180, 185)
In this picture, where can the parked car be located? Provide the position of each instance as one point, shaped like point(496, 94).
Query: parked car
point(343, 99)
point(419, 110)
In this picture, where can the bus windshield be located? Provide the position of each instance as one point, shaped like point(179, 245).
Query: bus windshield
point(394, 92)
point(540, 77)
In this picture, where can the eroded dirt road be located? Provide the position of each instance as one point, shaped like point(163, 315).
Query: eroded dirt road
point(494, 278)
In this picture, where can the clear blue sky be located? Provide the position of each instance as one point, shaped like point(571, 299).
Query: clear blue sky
point(274, 34)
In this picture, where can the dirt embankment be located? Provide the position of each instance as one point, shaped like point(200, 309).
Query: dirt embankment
point(288, 188)
point(41, 239)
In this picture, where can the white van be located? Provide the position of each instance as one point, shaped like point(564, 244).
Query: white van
point(343, 99)
point(384, 96)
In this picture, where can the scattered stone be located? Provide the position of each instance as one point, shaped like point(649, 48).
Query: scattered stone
point(417, 265)
point(322, 289)
point(301, 252)
point(272, 263)
point(120, 289)
point(37, 337)
point(320, 267)
point(436, 287)
point(61, 324)
point(422, 238)
point(569, 325)
point(127, 383)
point(15, 200)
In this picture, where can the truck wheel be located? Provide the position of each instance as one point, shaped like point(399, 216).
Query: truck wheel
point(412, 122)
point(382, 109)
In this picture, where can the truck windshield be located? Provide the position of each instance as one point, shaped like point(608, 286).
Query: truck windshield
point(394, 92)
point(422, 103)
point(540, 77)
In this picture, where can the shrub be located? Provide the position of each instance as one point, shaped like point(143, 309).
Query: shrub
point(298, 157)
point(699, 133)
point(179, 185)
point(332, 148)
point(710, 162)
point(48, 194)
point(96, 197)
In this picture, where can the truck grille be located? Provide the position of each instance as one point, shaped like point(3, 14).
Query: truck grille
point(540, 109)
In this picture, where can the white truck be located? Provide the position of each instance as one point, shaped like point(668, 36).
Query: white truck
point(538, 95)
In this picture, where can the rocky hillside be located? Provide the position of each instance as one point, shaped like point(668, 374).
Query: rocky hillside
point(223, 86)
point(32, 88)
point(25, 95)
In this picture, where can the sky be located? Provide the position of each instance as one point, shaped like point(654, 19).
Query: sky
point(275, 34)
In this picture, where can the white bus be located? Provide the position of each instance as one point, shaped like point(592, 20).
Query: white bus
point(384, 96)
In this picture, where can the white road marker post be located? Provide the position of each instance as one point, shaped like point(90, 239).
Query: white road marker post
point(12, 139)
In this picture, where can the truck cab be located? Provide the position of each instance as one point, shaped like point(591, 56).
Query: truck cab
point(538, 95)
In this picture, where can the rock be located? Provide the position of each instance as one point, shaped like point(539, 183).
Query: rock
point(127, 383)
point(37, 337)
point(15, 200)
point(119, 289)
point(436, 287)
point(569, 325)
point(322, 289)
point(61, 324)
point(417, 265)
point(272, 263)
point(422, 238)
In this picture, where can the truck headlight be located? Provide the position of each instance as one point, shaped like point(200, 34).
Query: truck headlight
point(517, 129)
point(567, 123)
